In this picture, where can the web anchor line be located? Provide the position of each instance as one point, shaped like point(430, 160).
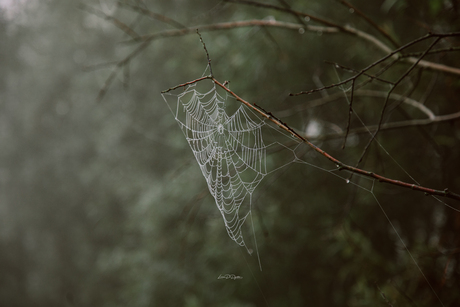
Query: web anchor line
point(340, 165)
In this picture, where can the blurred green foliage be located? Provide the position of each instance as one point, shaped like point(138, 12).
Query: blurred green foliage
point(102, 203)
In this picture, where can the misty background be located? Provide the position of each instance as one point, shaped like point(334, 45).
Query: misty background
point(103, 204)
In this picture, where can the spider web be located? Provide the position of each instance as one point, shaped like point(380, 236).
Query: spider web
point(231, 151)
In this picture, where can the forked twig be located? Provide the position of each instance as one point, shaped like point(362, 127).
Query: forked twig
point(207, 54)
point(391, 91)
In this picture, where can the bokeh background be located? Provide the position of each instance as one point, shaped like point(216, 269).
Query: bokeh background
point(103, 204)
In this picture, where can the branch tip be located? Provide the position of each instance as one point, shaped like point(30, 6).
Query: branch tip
point(206, 50)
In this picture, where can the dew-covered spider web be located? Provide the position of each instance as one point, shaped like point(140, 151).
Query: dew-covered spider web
point(231, 147)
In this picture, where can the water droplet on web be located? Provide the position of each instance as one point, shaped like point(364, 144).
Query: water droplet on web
point(307, 18)
point(351, 10)
point(347, 181)
point(301, 30)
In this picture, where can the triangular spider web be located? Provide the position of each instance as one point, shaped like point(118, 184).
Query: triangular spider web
point(231, 149)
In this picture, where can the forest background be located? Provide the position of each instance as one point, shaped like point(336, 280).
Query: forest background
point(102, 202)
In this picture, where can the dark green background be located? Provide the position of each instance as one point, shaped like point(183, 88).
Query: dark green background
point(103, 204)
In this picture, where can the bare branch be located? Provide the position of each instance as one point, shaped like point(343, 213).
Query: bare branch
point(350, 112)
point(107, 84)
point(340, 165)
point(186, 84)
point(207, 54)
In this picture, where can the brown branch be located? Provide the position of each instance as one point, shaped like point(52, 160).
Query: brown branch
point(207, 54)
point(185, 84)
point(340, 165)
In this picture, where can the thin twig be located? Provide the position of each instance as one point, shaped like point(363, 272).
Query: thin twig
point(207, 54)
point(357, 71)
point(185, 84)
point(107, 84)
point(440, 50)
point(350, 112)
point(384, 296)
